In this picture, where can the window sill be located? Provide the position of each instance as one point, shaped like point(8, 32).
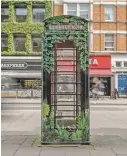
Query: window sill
point(109, 21)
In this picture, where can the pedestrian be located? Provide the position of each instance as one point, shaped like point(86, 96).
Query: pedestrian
point(115, 93)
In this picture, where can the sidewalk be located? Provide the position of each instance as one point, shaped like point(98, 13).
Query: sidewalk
point(105, 101)
point(30, 146)
point(121, 101)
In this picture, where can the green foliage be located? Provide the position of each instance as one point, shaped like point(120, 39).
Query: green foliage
point(81, 122)
point(27, 27)
point(50, 37)
point(76, 136)
point(45, 109)
point(61, 133)
point(52, 119)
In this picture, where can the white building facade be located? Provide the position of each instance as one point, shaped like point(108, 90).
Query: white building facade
point(119, 68)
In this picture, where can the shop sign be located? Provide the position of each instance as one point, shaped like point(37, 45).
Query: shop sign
point(65, 27)
point(14, 65)
point(100, 62)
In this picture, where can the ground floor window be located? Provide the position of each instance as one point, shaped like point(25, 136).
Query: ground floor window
point(103, 83)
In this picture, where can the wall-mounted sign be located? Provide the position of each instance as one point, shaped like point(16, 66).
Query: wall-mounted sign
point(100, 62)
point(65, 27)
point(10, 65)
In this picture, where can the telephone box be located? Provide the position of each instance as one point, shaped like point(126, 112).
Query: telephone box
point(65, 81)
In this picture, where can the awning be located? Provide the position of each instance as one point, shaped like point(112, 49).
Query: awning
point(104, 72)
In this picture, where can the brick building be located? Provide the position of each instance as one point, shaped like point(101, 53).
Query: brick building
point(21, 46)
point(108, 38)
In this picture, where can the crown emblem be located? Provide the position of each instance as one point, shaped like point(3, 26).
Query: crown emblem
point(66, 20)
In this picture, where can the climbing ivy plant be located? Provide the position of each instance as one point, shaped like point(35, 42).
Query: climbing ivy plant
point(27, 27)
point(50, 37)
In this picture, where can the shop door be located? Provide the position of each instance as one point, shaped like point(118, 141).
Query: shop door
point(122, 84)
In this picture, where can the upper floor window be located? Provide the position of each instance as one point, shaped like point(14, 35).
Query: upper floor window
point(4, 13)
point(84, 11)
point(118, 63)
point(36, 43)
point(38, 13)
point(19, 42)
point(20, 13)
point(4, 42)
point(109, 13)
point(109, 42)
point(72, 9)
point(81, 10)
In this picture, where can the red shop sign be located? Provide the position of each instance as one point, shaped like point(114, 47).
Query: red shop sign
point(100, 62)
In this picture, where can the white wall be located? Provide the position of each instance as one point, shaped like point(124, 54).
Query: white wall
point(118, 57)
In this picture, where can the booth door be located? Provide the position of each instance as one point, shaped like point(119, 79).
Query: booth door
point(65, 84)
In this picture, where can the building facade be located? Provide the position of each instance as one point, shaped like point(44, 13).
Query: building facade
point(21, 46)
point(108, 35)
point(21, 43)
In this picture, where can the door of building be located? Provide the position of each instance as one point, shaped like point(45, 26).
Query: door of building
point(122, 84)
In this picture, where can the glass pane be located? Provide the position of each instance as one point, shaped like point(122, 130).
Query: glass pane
point(109, 44)
point(21, 11)
point(4, 43)
point(72, 7)
point(66, 68)
point(66, 97)
point(73, 13)
point(84, 7)
point(38, 14)
point(66, 78)
point(125, 64)
point(20, 43)
point(118, 64)
point(109, 37)
point(21, 18)
point(4, 18)
point(109, 17)
point(84, 14)
point(4, 11)
point(109, 13)
point(37, 44)
point(66, 88)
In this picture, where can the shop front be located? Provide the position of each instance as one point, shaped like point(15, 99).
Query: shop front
point(20, 78)
point(119, 68)
point(101, 74)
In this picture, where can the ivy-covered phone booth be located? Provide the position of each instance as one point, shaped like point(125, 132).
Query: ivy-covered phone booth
point(65, 98)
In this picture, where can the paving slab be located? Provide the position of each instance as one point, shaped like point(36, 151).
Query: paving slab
point(102, 152)
point(76, 151)
point(29, 141)
point(122, 155)
point(108, 141)
point(9, 149)
point(48, 151)
point(120, 151)
point(28, 151)
point(15, 140)
point(3, 138)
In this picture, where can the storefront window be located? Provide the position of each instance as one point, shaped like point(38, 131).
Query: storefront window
point(31, 84)
point(100, 85)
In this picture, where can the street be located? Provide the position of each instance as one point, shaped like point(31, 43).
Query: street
point(108, 133)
